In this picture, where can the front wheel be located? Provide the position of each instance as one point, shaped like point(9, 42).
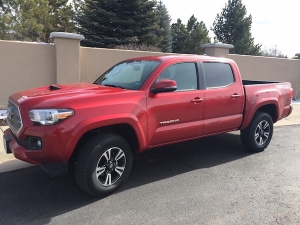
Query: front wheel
point(257, 136)
point(103, 164)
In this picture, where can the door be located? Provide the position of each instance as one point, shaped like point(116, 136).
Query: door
point(177, 115)
point(224, 98)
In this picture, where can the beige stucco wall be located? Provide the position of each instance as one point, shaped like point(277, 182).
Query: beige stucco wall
point(270, 69)
point(95, 61)
point(24, 65)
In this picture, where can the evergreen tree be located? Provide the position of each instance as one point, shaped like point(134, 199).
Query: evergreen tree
point(61, 17)
point(108, 23)
point(34, 20)
point(165, 28)
point(27, 18)
point(4, 21)
point(197, 36)
point(234, 27)
point(189, 38)
point(77, 4)
point(180, 36)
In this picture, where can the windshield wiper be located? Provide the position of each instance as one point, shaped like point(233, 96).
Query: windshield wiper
point(112, 85)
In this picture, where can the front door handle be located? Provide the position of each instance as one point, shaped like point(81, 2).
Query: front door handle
point(235, 96)
point(196, 100)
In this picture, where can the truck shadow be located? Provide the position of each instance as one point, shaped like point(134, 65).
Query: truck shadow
point(31, 196)
point(172, 160)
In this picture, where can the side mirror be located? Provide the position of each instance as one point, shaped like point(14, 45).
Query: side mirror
point(164, 85)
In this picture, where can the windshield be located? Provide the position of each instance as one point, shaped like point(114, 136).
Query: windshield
point(128, 74)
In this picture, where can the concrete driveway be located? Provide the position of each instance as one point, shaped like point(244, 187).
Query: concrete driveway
point(207, 181)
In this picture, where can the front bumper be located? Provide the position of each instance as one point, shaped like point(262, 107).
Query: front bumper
point(56, 167)
point(6, 140)
point(54, 140)
point(12, 146)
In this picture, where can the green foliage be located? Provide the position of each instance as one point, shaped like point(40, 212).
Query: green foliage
point(165, 29)
point(189, 38)
point(138, 47)
point(234, 27)
point(34, 20)
point(61, 17)
point(4, 21)
point(108, 23)
point(180, 35)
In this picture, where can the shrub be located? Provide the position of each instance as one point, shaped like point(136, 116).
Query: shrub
point(138, 47)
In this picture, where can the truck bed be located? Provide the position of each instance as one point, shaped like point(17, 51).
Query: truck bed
point(252, 82)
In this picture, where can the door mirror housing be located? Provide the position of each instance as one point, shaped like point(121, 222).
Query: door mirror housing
point(164, 85)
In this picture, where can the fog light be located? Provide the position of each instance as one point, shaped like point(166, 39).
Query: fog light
point(35, 143)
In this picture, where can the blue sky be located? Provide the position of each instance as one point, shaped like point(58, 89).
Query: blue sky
point(273, 22)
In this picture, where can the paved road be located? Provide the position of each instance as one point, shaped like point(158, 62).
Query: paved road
point(207, 181)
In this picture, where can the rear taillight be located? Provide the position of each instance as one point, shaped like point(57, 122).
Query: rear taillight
point(291, 93)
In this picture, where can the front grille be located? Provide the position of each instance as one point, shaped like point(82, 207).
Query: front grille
point(14, 117)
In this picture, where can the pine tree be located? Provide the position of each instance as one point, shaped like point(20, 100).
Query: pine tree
point(234, 27)
point(180, 36)
point(34, 20)
point(27, 19)
point(4, 21)
point(197, 35)
point(61, 17)
point(189, 38)
point(165, 28)
point(108, 23)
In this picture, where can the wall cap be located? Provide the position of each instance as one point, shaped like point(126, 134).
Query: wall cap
point(217, 45)
point(66, 35)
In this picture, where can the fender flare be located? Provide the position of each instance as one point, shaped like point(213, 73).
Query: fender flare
point(256, 106)
point(103, 121)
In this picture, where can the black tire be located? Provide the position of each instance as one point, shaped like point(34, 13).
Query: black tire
point(111, 156)
point(257, 136)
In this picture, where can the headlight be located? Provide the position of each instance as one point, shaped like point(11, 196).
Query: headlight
point(49, 116)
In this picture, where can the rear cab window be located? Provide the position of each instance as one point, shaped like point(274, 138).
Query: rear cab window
point(217, 74)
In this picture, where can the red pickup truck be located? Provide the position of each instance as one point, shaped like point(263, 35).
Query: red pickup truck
point(136, 105)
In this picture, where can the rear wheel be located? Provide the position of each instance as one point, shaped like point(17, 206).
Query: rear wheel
point(103, 164)
point(257, 136)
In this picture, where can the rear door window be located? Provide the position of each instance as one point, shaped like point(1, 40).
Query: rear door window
point(217, 74)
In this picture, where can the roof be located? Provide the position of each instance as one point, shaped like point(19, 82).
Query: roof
point(181, 57)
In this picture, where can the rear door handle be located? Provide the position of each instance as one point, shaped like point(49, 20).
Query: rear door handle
point(235, 96)
point(196, 100)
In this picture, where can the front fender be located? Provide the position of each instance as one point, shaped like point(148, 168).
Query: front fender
point(103, 121)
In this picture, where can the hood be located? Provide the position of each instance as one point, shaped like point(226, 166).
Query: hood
point(68, 94)
point(66, 89)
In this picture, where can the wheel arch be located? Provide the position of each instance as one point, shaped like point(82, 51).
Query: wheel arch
point(270, 107)
point(124, 130)
point(127, 126)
